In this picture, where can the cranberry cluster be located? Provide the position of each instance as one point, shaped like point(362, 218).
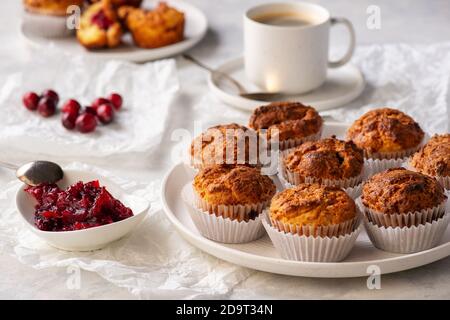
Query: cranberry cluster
point(81, 206)
point(73, 115)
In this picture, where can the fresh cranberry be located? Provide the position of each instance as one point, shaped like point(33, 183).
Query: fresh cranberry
point(51, 94)
point(101, 20)
point(30, 100)
point(90, 110)
point(81, 206)
point(71, 106)
point(116, 100)
point(46, 107)
point(98, 102)
point(86, 122)
point(105, 113)
point(68, 120)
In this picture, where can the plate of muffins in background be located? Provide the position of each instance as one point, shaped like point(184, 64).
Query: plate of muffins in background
point(343, 198)
point(132, 30)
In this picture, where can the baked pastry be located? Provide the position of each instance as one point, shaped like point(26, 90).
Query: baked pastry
point(291, 122)
point(119, 3)
point(400, 191)
point(324, 161)
point(232, 185)
point(50, 7)
point(155, 28)
point(312, 205)
point(99, 26)
point(386, 134)
point(212, 146)
point(404, 211)
point(433, 158)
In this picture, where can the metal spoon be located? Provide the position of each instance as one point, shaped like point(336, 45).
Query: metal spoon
point(262, 96)
point(37, 172)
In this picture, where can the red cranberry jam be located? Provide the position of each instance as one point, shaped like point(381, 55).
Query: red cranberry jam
point(101, 20)
point(81, 206)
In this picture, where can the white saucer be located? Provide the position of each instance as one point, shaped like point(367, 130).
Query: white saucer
point(195, 29)
point(261, 254)
point(342, 85)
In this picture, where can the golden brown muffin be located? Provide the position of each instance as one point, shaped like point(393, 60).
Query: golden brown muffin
point(99, 26)
point(330, 159)
point(50, 7)
point(155, 28)
point(211, 146)
point(233, 185)
point(293, 120)
point(312, 204)
point(385, 130)
point(120, 3)
point(399, 190)
point(433, 159)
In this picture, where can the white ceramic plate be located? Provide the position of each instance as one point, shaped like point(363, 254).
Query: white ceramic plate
point(261, 255)
point(92, 238)
point(195, 30)
point(342, 85)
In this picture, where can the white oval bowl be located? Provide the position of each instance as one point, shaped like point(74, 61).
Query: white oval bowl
point(91, 238)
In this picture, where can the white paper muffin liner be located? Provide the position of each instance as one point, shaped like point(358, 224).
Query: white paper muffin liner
point(381, 161)
point(285, 145)
point(407, 240)
point(378, 165)
point(402, 219)
point(293, 246)
point(222, 223)
point(443, 180)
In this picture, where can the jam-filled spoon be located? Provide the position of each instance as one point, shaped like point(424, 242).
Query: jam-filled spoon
point(37, 172)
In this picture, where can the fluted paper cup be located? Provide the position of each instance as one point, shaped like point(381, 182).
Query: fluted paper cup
point(285, 145)
point(407, 239)
point(293, 246)
point(226, 224)
point(402, 219)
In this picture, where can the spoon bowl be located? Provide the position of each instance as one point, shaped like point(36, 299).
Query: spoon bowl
point(38, 172)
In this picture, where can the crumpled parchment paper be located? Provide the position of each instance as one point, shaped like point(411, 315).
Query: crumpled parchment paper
point(147, 91)
point(152, 259)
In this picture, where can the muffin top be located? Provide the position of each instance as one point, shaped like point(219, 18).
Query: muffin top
point(434, 158)
point(399, 190)
point(233, 185)
point(312, 204)
point(291, 119)
point(51, 7)
point(212, 146)
point(385, 130)
point(326, 159)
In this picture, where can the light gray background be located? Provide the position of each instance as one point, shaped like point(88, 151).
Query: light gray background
point(417, 21)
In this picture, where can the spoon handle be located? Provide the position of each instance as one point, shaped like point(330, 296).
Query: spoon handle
point(8, 165)
point(215, 72)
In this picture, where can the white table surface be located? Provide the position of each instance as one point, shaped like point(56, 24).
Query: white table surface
point(418, 21)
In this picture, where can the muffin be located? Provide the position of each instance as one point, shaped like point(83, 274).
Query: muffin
point(99, 26)
point(404, 211)
point(386, 134)
point(162, 26)
point(433, 159)
point(212, 146)
point(291, 122)
point(327, 161)
point(229, 200)
point(120, 3)
point(311, 222)
point(50, 7)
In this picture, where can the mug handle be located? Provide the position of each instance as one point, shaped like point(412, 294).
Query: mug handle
point(346, 58)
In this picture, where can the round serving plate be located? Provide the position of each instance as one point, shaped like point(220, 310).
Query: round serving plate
point(261, 254)
point(196, 26)
point(342, 85)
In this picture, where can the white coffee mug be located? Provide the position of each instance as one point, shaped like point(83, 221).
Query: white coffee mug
point(290, 58)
